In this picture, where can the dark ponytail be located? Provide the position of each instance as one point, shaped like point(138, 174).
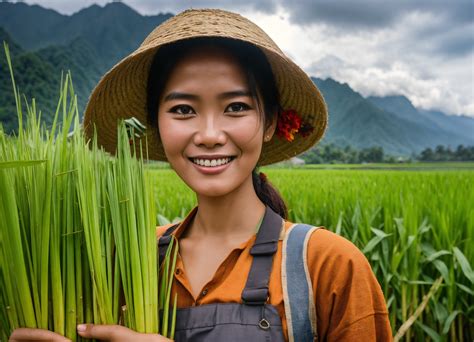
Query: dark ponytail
point(268, 194)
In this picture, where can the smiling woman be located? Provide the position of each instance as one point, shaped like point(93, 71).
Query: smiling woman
point(215, 99)
point(221, 99)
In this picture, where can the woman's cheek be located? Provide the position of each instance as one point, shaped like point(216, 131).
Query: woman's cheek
point(244, 131)
point(174, 135)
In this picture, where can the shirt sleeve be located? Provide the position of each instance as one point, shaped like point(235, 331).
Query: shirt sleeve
point(350, 305)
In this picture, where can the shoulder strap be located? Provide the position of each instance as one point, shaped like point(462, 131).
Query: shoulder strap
point(163, 243)
point(300, 309)
point(263, 251)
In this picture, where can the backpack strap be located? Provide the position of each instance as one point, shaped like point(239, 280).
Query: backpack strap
point(298, 298)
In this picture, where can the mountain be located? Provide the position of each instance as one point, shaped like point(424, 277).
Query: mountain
point(391, 122)
point(13, 46)
point(32, 74)
point(29, 25)
point(462, 125)
point(38, 75)
point(453, 129)
point(113, 30)
point(44, 43)
point(357, 122)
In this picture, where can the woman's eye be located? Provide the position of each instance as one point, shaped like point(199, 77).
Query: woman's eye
point(238, 107)
point(182, 109)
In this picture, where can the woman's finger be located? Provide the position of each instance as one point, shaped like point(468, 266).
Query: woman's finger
point(116, 333)
point(106, 332)
point(29, 334)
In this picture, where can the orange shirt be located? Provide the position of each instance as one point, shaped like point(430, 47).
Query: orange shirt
point(349, 302)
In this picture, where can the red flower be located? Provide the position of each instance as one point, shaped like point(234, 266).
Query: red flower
point(288, 124)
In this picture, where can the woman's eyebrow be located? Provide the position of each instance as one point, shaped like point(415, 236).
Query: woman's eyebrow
point(185, 96)
point(235, 93)
point(179, 96)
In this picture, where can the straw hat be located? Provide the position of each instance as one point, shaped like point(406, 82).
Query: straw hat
point(121, 93)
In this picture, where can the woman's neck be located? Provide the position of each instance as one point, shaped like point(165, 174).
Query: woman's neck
point(235, 214)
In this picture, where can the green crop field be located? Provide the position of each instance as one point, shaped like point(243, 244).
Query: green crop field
point(415, 226)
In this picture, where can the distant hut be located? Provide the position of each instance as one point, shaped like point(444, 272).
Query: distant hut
point(297, 161)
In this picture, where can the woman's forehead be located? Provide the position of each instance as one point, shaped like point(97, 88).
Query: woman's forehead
point(208, 66)
point(207, 57)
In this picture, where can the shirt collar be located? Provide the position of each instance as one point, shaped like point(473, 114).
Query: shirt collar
point(184, 223)
point(190, 216)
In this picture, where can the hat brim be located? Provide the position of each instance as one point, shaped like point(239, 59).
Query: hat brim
point(121, 92)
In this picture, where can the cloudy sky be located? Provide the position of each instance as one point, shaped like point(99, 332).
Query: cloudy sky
point(423, 49)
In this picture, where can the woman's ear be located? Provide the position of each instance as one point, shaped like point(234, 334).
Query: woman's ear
point(270, 130)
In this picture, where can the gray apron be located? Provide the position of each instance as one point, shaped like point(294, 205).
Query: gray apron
point(251, 320)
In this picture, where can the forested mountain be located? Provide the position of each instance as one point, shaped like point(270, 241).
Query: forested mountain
point(44, 42)
point(38, 75)
point(32, 74)
point(448, 129)
point(460, 126)
point(113, 31)
point(391, 122)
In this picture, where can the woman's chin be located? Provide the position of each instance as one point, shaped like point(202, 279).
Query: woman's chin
point(212, 190)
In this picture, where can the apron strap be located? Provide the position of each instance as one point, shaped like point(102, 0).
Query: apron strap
point(263, 250)
point(298, 297)
point(163, 243)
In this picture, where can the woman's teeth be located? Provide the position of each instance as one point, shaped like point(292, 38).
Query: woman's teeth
point(211, 162)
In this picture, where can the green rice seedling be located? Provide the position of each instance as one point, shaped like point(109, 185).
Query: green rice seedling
point(132, 209)
point(77, 229)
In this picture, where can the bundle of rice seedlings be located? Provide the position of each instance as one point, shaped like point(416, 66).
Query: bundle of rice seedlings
point(77, 235)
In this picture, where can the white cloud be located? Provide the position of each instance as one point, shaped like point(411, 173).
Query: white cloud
point(386, 61)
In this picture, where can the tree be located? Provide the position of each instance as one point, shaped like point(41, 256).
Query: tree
point(372, 154)
point(427, 154)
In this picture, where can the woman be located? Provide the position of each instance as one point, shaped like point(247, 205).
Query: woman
point(220, 99)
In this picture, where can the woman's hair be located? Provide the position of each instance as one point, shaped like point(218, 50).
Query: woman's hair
point(260, 80)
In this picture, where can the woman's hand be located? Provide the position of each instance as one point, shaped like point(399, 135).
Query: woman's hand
point(112, 333)
point(28, 334)
point(116, 333)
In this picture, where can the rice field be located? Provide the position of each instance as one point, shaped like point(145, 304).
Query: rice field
point(415, 227)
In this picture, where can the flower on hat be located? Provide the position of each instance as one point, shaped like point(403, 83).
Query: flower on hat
point(288, 124)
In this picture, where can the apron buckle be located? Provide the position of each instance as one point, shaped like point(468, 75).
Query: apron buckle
point(264, 324)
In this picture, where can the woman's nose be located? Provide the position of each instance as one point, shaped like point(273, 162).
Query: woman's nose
point(210, 132)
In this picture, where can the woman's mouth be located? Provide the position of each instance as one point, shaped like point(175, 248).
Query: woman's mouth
point(212, 166)
point(211, 162)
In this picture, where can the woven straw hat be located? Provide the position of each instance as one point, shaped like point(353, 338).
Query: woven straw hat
point(121, 93)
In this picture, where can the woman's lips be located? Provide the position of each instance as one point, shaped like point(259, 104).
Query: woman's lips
point(211, 170)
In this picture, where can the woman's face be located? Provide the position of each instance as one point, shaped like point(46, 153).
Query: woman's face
point(209, 124)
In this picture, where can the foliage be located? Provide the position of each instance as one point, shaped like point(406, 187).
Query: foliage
point(330, 153)
point(441, 153)
point(333, 154)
